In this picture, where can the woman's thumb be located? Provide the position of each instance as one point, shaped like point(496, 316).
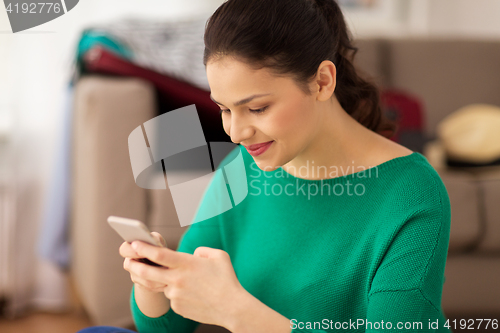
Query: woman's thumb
point(205, 252)
point(158, 237)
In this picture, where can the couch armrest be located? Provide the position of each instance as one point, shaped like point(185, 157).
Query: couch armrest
point(106, 110)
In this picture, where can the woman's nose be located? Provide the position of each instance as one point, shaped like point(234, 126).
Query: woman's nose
point(241, 128)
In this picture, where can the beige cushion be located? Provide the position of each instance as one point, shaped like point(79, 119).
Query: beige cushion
point(472, 133)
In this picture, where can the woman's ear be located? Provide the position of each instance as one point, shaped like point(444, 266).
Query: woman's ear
point(326, 80)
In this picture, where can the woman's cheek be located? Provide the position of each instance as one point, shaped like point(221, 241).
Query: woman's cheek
point(287, 122)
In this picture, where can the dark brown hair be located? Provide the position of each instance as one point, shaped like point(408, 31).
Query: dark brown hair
point(292, 37)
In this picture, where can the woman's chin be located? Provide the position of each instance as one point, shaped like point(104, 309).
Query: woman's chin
point(265, 166)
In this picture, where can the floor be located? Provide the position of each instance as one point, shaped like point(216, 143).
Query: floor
point(45, 323)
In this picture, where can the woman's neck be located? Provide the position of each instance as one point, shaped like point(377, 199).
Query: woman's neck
point(341, 143)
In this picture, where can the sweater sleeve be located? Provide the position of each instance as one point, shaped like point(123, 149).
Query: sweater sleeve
point(405, 293)
point(407, 286)
point(203, 233)
point(169, 322)
point(198, 234)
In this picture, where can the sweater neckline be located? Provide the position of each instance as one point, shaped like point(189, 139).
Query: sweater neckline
point(362, 175)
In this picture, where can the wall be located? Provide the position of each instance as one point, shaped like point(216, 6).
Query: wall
point(432, 18)
point(477, 18)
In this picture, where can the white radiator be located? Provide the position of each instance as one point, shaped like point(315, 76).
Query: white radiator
point(6, 206)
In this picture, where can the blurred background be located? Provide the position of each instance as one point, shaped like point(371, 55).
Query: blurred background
point(72, 90)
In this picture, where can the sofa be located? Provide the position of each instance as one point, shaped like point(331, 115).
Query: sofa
point(445, 74)
point(448, 74)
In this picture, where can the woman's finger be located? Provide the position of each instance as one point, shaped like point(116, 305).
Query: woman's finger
point(147, 272)
point(159, 237)
point(148, 285)
point(162, 256)
point(126, 251)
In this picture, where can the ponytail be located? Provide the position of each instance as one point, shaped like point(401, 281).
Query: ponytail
point(358, 97)
point(296, 41)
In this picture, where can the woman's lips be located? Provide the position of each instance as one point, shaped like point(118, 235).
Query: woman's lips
point(257, 145)
point(259, 148)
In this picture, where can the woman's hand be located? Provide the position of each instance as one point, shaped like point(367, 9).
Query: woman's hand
point(202, 287)
point(130, 263)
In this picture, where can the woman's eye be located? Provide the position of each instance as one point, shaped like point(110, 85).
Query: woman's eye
point(259, 110)
point(251, 110)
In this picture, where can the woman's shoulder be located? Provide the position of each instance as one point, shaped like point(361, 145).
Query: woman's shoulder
point(385, 150)
point(415, 178)
point(413, 191)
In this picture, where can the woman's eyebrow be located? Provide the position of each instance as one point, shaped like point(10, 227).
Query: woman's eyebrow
point(243, 101)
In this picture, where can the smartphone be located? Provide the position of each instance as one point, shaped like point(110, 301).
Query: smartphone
point(131, 230)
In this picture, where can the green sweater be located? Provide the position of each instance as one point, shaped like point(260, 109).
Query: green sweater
point(370, 248)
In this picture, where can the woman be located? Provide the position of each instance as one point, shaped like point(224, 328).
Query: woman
point(311, 248)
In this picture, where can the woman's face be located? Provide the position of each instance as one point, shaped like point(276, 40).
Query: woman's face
point(282, 114)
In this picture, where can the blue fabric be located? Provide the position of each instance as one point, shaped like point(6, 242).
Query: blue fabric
point(105, 329)
point(91, 38)
point(53, 242)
